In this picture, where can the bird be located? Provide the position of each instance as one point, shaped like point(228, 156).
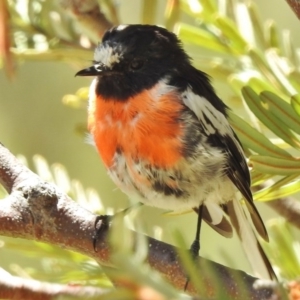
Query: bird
point(164, 137)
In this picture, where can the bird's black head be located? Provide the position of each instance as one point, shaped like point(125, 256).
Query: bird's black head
point(132, 58)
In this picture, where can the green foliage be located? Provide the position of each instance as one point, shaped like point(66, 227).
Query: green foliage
point(56, 264)
point(284, 249)
point(41, 30)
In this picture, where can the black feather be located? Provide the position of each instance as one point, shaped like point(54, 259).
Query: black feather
point(236, 168)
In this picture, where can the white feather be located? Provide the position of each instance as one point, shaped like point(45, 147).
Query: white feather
point(121, 27)
point(215, 212)
point(202, 107)
point(107, 55)
point(250, 243)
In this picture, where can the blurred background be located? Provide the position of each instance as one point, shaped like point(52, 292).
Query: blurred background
point(34, 120)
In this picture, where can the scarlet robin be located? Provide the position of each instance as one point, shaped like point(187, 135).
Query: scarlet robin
point(163, 134)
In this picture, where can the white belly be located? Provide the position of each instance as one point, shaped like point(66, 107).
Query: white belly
point(184, 187)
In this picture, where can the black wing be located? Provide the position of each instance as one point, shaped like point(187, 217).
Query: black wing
point(238, 172)
point(200, 97)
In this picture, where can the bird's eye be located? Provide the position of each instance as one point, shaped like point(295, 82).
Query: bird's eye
point(136, 64)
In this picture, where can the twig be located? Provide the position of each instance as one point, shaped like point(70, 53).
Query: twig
point(288, 208)
point(5, 55)
point(295, 6)
point(37, 210)
point(13, 287)
point(88, 14)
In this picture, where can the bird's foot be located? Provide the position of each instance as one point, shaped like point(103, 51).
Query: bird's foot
point(104, 221)
point(194, 251)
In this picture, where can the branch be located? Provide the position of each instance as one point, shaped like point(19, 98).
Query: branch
point(88, 14)
point(38, 211)
point(13, 287)
point(295, 6)
point(289, 208)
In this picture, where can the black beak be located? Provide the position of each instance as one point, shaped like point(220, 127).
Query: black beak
point(91, 71)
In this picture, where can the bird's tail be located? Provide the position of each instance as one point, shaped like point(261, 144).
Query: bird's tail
point(254, 252)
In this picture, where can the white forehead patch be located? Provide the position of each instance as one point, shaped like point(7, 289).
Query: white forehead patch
point(106, 55)
point(121, 27)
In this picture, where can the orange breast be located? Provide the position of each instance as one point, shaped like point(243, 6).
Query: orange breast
point(143, 127)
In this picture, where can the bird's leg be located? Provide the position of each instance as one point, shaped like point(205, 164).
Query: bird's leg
point(195, 247)
point(106, 220)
